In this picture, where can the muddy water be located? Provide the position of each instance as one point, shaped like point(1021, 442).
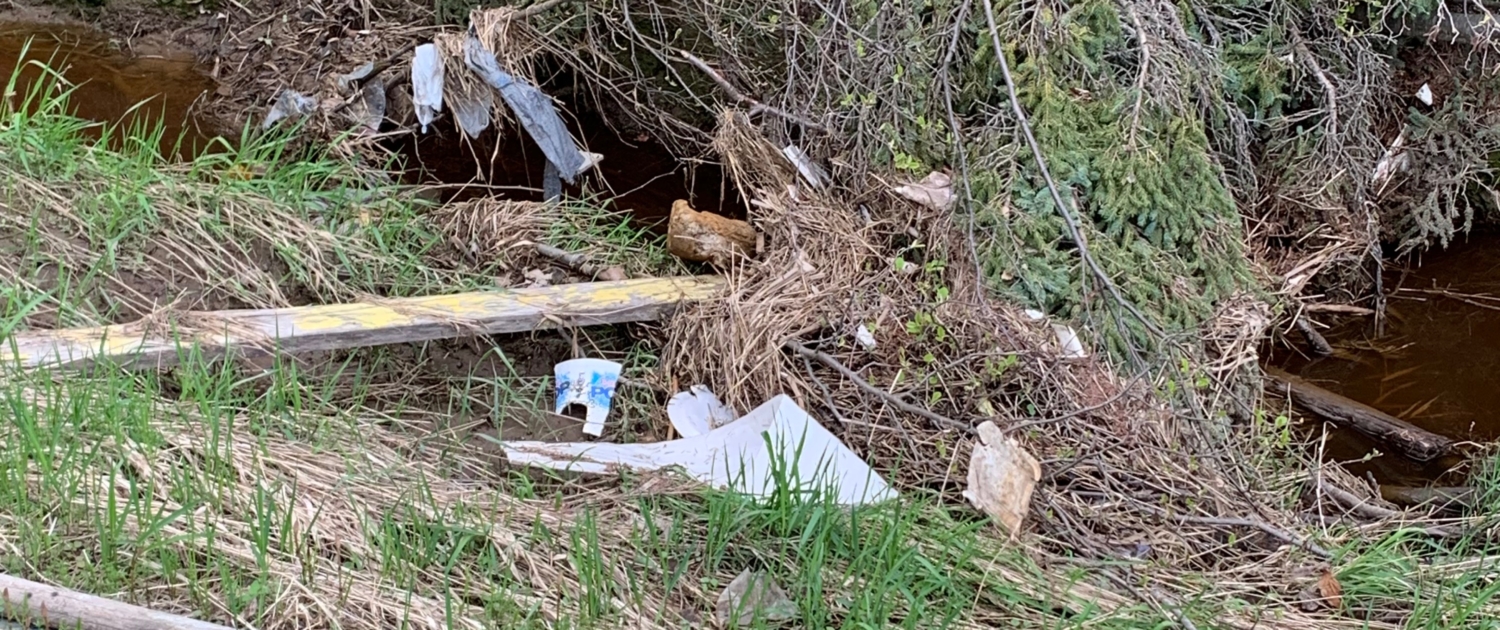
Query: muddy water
point(107, 83)
point(1437, 365)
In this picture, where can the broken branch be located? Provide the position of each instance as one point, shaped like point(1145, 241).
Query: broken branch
point(756, 106)
point(863, 384)
point(29, 601)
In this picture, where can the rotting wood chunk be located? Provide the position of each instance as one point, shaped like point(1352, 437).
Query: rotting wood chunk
point(707, 237)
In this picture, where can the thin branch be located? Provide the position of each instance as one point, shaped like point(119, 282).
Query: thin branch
point(756, 106)
point(1269, 529)
point(1330, 93)
point(829, 361)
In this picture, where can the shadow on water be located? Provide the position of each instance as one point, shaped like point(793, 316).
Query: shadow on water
point(110, 86)
point(1437, 365)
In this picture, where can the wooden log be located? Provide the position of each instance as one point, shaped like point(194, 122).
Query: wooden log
point(61, 608)
point(150, 344)
point(1446, 498)
point(1412, 441)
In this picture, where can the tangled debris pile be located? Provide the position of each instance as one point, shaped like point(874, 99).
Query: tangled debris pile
point(1136, 176)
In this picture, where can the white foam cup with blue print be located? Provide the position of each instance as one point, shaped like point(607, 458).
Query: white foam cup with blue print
point(591, 383)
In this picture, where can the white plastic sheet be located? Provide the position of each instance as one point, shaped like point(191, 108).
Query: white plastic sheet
point(743, 456)
point(427, 83)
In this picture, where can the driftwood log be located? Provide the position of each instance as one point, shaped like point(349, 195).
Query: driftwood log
point(1412, 441)
point(38, 603)
point(1444, 498)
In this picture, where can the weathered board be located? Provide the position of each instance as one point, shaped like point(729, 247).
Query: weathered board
point(57, 607)
point(213, 334)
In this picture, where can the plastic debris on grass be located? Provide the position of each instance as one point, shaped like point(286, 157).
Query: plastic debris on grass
point(777, 440)
point(427, 83)
point(698, 411)
point(934, 191)
point(1002, 476)
point(591, 383)
point(753, 596)
point(289, 105)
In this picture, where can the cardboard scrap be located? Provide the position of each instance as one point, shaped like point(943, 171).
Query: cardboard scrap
point(1002, 475)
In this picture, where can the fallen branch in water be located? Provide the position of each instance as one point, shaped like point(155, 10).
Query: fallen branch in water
point(1413, 441)
point(1319, 345)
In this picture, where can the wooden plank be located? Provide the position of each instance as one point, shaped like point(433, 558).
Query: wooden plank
point(61, 608)
point(212, 334)
point(1413, 441)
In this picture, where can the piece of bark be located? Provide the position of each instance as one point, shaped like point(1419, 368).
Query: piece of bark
point(1412, 441)
point(56, 607)
point(707, 237)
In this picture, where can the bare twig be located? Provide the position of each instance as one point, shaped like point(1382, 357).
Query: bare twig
point(756, 106)
point(579, 263)
point(863, 384)
point(1330, 93)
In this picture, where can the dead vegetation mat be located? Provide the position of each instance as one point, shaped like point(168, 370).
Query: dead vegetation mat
point(1152, 445)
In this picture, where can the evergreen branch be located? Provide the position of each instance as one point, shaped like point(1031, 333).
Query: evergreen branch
point(1074, 230)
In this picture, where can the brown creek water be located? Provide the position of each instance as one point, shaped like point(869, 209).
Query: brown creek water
point(1437, 365)
point(110, 86)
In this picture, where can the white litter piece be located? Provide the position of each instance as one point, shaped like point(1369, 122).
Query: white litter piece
point(368, 109)
point(740, 456)
point(753, 596)
point(590, 160)
point(698, 411)
point(934, 191)
point(427, 83)
point(1067, 338)
point(345, 81)
point(811, 172)
point(1394, 160)
point(865, 338)
point(1002, 476)
point(290, 105)
point(1424, 94)
point(591, 383)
